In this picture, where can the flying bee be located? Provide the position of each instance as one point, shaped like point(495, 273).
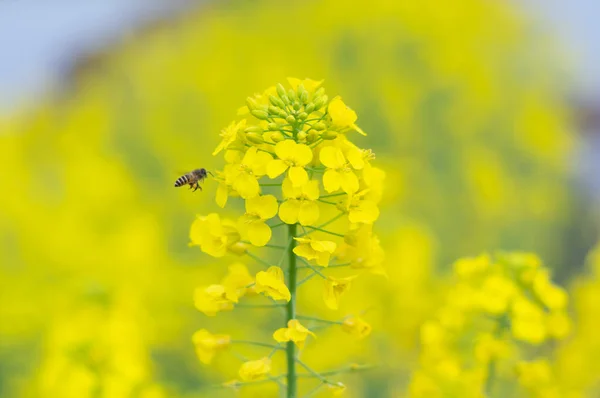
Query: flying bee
point(193, 179)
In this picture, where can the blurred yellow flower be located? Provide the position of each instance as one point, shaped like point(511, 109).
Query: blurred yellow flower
point(333, 290)
point(337, 389)
point(213, 235)
point(553, 297)
point(534, 374)
point(292, 156)
point(468, 267)
point(294, 332)
point(527, 322)
point(255, 370)
point(300, 205)
point(356, 326)
point(342, 116)
point(271, 283)
point(313, 249)
point(496, 294)
point(207, 344)
point(214, 298)
point(252, 224)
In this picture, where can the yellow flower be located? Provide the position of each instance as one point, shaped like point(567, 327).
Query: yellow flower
point(527, 322)
point(312, 249)
point(243, 176)
point(363, 250)
point(252, 224)
point(333, 290)
point(496, 294)
point(215, 237)
point(237, 279)
point(270, 282)
point(214, 298)
point(534, 374)
point(342, 116)
point(360, 209)
point(254, 370)
point(223, 190)
point(292, 156)
point(339, 172)
point(310, 85)
point(471, 266)
point(488, 347)
point(558, 324)
point(294, 332)
point(356, 326)
point(229, 135)
point(301, 205)
point(553, 297)
point(207, 344)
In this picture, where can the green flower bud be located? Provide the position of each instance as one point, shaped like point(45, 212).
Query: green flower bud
point(304, 97)
point(319, 92)
point(283, 114)
point(273, 126)
point(297, 106)
point(251, 103)
point(319, 126)
point(309, 108)
point(273, 110)
point(290, 119)
point(255, 138)
point(312, 137)
point(277, 137)
point(260, 114)
point(276, 101)
point(319, 102)
point(329, 135)
point(285, 99)
point(292, 95)
point(254, 129)
point(280, 90)
point(301, 135)
point(302, 115)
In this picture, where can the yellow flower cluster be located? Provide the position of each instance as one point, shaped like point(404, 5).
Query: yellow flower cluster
point(496, 305)
point(288, 157)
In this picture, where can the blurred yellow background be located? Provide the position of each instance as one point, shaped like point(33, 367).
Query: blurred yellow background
point(463, 106)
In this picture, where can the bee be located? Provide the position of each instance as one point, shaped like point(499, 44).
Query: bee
point(193, 179)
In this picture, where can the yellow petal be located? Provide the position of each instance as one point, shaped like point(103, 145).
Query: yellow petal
point(349, 182)
point(332, 157)
point(355, 158)
point(222, 195)
point(264, 206)
point(275, 168)
point(281, 335)
point(309, 213)
point(288, 211)
point(323, 246)
point(323, 259)
point(302, 155)
point(246, 185)
point(331, 180)
point(366, 213)
point(298, 176)
point(340, 114)
point(285, 149)
point(259, 233)
point(290, 191)
point(311, 190)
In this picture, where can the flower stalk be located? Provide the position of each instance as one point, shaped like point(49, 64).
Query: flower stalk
point(291, 313)
point(287, 153)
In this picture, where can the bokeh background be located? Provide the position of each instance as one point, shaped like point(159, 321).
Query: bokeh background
point(483, 114)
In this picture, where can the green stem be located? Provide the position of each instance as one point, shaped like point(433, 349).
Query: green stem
point(256, 343)
point(258, 259)
point(491, 375)
point(326, 231)
point(311, 318)
point(324, 224)
point(291, 313)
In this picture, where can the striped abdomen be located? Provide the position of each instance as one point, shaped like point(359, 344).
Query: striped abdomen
point(184, 179)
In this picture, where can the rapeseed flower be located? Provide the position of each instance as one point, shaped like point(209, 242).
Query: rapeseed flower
point(270, 282)
point(294, 332)
point(252, 224)
point(318, 250)
point(207, 344)
point(255, 370)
